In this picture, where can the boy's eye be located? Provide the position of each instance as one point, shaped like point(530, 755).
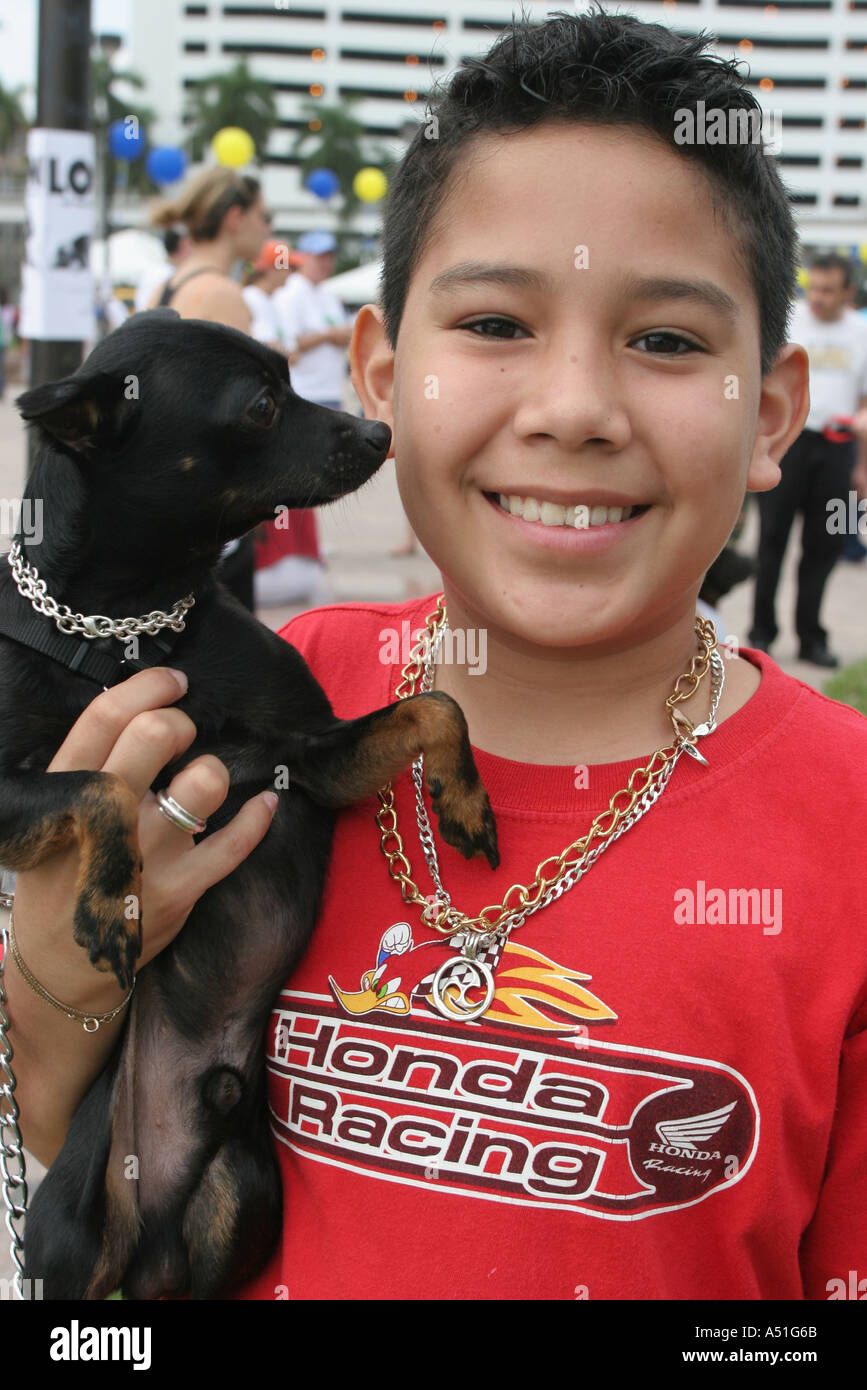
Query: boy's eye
point(484, 323)
point(669, 338)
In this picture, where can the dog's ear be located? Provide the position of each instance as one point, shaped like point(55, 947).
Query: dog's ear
point(81, 412)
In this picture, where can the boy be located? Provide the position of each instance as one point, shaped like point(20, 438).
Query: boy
point(654, 1086)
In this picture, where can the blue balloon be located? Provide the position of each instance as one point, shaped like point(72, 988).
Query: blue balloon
point(165, 164)
point(322, 182)
point(123, 143)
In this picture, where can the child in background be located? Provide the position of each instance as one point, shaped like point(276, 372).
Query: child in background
point(648, 1079)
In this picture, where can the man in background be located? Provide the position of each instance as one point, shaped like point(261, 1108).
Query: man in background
point(316, 322)
point(816, 468)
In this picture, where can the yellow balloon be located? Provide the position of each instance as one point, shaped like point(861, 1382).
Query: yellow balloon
point(862, 252)
point(370, 184)
point(803, 278)
point(233, 146)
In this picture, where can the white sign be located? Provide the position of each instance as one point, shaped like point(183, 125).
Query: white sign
point(56, 283)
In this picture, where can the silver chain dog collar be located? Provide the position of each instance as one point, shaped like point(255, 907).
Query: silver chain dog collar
point(31, 587)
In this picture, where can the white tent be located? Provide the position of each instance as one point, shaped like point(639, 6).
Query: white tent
point(357, 287)
point(130, 254)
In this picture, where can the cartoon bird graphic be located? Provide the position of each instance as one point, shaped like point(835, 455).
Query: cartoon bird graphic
point(531, 990)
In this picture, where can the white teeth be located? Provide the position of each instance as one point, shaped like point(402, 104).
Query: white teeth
point(553, 514)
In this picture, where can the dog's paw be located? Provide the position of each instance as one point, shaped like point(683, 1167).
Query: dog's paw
point(107, 914)
point(112, 940)
point(465, 818)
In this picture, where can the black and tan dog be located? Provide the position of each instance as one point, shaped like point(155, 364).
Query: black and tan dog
point(175, 436)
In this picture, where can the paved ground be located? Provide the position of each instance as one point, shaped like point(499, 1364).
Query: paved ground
point(359, 531)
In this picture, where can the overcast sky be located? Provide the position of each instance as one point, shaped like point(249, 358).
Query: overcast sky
point(18, 20)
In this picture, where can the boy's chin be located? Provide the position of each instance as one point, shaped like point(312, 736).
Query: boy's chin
point(542, 615)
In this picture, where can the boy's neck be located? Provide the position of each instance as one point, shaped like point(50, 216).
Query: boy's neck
point(557, 706)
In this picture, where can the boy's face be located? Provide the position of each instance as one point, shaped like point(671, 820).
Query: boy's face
point(587, 396)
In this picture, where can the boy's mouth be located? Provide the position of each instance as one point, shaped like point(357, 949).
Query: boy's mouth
point(580, 516)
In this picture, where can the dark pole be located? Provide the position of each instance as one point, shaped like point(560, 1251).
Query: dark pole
point(63, 102)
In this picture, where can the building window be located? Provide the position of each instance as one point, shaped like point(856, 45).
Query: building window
point(427, 21)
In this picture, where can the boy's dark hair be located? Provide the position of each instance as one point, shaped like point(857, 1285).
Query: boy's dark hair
point(607, 69)
point(829, 260)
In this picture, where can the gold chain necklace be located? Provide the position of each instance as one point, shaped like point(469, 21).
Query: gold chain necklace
point(645, 784)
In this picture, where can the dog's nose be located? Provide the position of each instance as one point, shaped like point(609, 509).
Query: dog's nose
point(378, 435)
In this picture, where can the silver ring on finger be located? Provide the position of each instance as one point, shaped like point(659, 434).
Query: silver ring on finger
point(183, 819)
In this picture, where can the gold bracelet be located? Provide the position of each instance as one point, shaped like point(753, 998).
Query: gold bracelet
point(90, 1022)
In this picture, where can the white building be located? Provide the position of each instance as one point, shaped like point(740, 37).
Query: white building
point(807, 61)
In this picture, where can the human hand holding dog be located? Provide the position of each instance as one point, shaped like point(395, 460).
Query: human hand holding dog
point(132, 731)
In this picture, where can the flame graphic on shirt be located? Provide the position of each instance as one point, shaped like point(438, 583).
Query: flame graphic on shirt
point(535, 992)
point(531, 991)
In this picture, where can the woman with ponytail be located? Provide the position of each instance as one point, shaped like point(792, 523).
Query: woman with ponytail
point(227, 221)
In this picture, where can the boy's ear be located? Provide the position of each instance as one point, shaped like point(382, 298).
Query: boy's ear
point(81, 412)
point(784, 405)
point(372, 367)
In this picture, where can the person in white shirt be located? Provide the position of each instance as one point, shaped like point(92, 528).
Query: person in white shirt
point(270, 272)
point(815, 469)
point(283, 572)
point(315, 320)
point(177, 246)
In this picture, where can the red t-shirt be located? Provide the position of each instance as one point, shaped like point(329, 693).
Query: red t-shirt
point(653, 1107)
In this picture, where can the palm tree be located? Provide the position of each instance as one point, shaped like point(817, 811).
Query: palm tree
point(107, 107)
point(12, 118)
point(234, 98)
point(339, 146)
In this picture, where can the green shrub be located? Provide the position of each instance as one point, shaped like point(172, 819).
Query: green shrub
point(849, 686)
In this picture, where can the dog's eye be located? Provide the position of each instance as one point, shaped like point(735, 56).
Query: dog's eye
point(263, 410)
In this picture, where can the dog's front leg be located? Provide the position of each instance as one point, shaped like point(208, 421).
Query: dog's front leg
point(42, 813)
point(354, 758)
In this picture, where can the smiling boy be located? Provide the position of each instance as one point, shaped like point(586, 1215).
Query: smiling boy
point(581, 352)
point(626, 1078)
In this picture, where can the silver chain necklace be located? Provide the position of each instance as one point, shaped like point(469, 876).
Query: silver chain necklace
point(31, 587)
point(458, 976)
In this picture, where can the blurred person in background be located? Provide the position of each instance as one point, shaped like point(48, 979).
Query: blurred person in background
point(177, 248)
point(272, 268)
point(815, 469)
point(315, 320)
point(288, 565)
point(227, 222)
